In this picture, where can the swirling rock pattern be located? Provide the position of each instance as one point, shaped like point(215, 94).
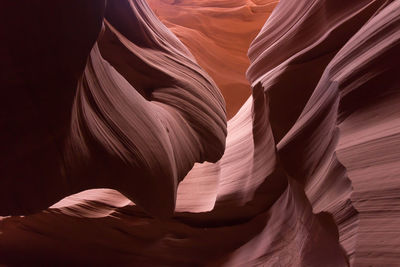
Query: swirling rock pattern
point(308, 177)
point(116, 137)
point(218, 33)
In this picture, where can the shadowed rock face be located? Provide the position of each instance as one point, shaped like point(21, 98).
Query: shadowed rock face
point(140, 134)
point(305, 174)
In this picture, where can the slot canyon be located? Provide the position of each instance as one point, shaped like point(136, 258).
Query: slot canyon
point(200, 133)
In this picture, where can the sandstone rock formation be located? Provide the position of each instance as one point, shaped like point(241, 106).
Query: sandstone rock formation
point(218, 33)
point(112, 106)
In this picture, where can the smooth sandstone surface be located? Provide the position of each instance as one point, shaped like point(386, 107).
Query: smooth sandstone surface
point(218, 33)
point(115, 108)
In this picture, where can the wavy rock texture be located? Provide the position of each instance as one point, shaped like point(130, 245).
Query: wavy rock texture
point(218, 33)
point(130, 134)
point(309, 176)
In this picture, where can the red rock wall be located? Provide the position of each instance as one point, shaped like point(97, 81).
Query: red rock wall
point(308, 177)
point(218, 33)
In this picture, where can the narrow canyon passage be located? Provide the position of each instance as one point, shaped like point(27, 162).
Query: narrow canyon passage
point(218, 33)
point(133, 138)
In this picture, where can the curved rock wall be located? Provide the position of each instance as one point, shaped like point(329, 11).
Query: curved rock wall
point(308, 177)
point(218, 33)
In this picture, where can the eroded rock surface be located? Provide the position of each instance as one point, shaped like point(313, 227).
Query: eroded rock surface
point(305, 174)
